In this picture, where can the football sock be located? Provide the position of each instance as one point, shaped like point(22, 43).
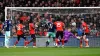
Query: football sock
point(80, 43)
point(16, 42)
point(25, 43)
point(62, 40)
point(34, 43)
point(86, 42)
point(56, 41)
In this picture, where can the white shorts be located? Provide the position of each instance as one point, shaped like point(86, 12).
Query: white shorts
point(7, 35)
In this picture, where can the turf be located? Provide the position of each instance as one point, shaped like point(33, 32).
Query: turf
point(49, 51)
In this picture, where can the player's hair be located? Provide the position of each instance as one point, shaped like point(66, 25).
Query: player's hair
point(7, 17)
point(68, 27)
point(58, 19)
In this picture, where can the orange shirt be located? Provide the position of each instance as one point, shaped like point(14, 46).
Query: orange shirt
point(85, 26)
point(59, 25)
point(20, 29)
point(31, 28)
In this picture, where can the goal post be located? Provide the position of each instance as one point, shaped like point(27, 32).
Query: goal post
point(93, 41)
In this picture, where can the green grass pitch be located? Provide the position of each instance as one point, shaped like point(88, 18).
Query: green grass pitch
point(68, 51)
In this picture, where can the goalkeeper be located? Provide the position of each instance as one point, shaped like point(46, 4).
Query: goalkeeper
point(67, 35)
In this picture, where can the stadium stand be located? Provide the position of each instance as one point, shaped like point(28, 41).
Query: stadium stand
point(50, 3)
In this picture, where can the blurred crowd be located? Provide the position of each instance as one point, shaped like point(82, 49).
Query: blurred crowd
point(50, 3)
point(41, 21)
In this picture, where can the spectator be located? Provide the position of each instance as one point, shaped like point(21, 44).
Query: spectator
point(24, 17)
point(93, 30)
point(73, 23)
point(78, 23)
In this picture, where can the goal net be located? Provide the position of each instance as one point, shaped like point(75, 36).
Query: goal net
point(42, 15)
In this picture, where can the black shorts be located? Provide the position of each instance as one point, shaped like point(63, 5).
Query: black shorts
point(32, 35)
point(59, 33)
point(21, 36)
point(86, 34)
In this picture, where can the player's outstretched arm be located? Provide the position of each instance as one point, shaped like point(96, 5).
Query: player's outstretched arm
point(75, 36)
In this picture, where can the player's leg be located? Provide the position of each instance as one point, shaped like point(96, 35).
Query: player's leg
point(50, 34)
point(33, 39)
point(56, 39)
point(53, 35)
point(18, 38)
point(65, 41)
point(62, 39)
point(7, 37)
point(6, 40)
point(66, 38)
point(86, 40)
point(81, 37)
point(48, 41)
point(25, 40)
